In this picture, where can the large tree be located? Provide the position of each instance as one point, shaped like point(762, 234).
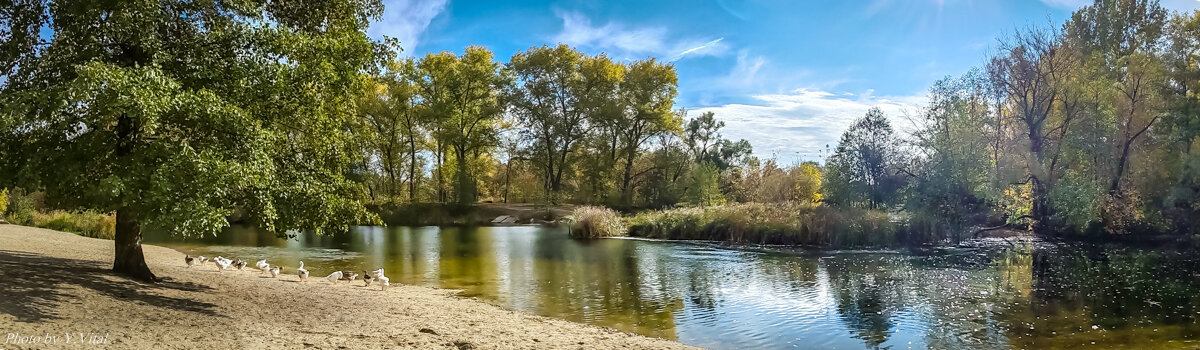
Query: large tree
point(647, 95)
point(393, 111)
point(1032, 71)
point(173, 114)
point(463, 97)
point(863, 169)
point(558, 93)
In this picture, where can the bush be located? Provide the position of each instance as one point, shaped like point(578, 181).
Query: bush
point(21, 207)
point(87, 223)
point(3, 201)
point(596, 222)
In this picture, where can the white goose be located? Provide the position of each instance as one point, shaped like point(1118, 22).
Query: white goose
point(334, 277)
point(202, 259)
point(383, 280)
point(263, 266)
point(300, 271)
point(222, 264)
point(275, 271)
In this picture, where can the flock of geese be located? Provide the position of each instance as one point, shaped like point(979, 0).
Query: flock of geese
point(224, 263)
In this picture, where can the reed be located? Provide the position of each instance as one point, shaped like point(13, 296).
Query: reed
point(596, 222)
point(776, 224)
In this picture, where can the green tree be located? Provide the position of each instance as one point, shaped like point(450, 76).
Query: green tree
point(463, 97)
point(704, 186)
point(1183, 120)
point(393, 110)
point(863, 169)
point(1032, 72)
point(647, 94)
point(558, 94)
point(174, 113)
point(953, 162)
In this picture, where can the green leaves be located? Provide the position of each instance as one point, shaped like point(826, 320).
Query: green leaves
point(187, 111)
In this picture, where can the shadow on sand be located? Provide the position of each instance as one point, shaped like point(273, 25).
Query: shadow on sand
point(32, 286)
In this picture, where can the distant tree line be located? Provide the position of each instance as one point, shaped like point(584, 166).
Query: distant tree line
point(552, 125)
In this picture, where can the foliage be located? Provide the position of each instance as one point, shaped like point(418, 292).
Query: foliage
point(862, 171)
point(174, 114)
point(596, 222)
point(704, 188)
point(559, 95)
point(86, 223)
point(463, 95)
point(3, 202)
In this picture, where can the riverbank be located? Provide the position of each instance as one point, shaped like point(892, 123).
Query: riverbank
point(58, 283)
point(479, 214)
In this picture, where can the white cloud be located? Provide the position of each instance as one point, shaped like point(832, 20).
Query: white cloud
point(622, 41)
point(406, 20)
point(797, 125)
point(746, 69)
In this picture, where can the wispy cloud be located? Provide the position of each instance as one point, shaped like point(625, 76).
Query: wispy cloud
point(628, 42)
point(797, 125)
point(702, 49)
point(406, 20)
point(745, 72)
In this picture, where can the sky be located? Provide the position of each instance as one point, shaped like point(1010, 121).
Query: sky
point(789, 76)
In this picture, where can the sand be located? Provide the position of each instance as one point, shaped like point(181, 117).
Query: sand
point(56, 288)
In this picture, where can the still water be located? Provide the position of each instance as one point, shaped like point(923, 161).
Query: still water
point(995, 294)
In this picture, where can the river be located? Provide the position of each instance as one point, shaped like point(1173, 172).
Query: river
point(993, 294)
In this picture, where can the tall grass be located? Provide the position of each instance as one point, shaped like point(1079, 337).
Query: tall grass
point(595, 222)
point(86, 223)
point(757, 223)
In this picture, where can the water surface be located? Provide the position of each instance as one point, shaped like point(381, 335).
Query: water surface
point(1000, 295)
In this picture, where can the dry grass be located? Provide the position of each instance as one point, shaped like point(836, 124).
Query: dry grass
point(758, 223)
point(596, 222)
point(86, 223)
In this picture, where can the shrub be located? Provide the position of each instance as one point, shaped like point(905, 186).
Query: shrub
point(596, 222)
point(87, 223)
point(3, 201)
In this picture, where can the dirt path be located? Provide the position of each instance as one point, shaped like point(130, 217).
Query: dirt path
point(59, 284)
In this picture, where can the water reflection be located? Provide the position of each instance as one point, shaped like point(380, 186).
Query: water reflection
point(999, 295)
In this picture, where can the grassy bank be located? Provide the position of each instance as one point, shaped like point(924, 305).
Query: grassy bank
point(750, 223)
point(21, 208)
point(86, 223)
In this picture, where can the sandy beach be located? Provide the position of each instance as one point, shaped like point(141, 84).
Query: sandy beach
point(56, 291)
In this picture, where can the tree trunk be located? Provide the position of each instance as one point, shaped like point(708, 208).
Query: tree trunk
point(627, 180)
point(1115, 185)
point(129, 259)
point(412, 169)
point(1041, 211)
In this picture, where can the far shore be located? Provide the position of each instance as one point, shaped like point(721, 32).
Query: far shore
point(59, 292)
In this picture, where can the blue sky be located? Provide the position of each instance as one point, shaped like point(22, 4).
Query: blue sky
point(786, 75)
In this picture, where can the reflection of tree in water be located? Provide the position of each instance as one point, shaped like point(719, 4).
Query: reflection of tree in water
point(613, 286)
point(867, 296)
point(1134, 297)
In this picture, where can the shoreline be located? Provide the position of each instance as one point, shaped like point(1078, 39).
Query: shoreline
point(57, 283)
